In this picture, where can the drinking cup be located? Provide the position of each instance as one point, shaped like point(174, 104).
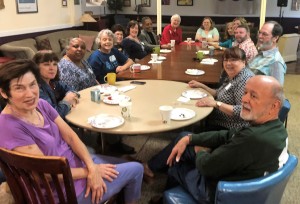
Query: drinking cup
point(199, 55)
point(204, 44)
point(211, 51)
point(156, 50)
point(172, 43)
point(125, 106)
point(135, 68)
point(165, 112)
point(189, 39)
point(110, 78)
point(154, 57)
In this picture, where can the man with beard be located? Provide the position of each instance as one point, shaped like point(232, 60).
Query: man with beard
point(199, 161)
point(147, 36)
point(269, 60)
point(243, 41)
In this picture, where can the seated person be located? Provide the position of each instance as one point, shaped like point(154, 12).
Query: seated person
point(227, 102)
point(132, 45)
point(172, 32)
point(269, 60)
point(239, 21)
point(30, 125)
point(228, 37)
point(56, 93)
point(74, 71)
point(119, 33)
point(243, 41)
point(207, 31)
point(107, 58)
point(147, 36)
point(199, 161)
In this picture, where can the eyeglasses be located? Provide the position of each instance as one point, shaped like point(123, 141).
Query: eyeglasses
point(231, 60)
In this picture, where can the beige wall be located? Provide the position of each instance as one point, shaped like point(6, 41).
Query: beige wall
point(51, 15)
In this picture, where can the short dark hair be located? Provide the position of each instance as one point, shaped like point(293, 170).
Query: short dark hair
point(145, 18)
point(117, 27)
point(245, 26)
point(15, 70)
point(131, 24)
point(234, 52)
point(277, 29)
point(46, 56)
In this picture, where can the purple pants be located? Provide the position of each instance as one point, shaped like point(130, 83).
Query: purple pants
point(130, 179)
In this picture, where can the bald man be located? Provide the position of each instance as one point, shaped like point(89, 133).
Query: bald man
point(269, 60)
point(231, 155)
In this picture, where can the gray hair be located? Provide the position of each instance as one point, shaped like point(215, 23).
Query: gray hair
point(108, 32)
point(176, 16)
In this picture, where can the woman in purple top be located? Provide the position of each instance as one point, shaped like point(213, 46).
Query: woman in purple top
point(30, 125)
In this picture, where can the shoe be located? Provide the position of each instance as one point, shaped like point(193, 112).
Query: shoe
point(158, 199)
point(122, 148)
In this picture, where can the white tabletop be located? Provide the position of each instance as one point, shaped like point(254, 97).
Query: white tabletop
point(145, 117)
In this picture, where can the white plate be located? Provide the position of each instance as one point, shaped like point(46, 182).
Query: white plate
point(115, 100)
point(165, 51)
point(182, 114)
point(191, 41)
point(145, 67)
point(209, 60)
point(106, 121)
point(106, 88)
point(161, 58)
point(194, 72)
point(194, 94)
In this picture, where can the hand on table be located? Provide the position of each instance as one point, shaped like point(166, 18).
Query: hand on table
point(206, 102)
point(71, 98)
point(195, 84)
point(178, 150)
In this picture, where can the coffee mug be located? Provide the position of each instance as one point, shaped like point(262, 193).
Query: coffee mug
point(199, 55)
point(135, 68)
point(189, 39)
point(156, 50)
point(110, 78)
point(154, 57)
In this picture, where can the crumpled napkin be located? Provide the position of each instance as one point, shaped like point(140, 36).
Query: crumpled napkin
point(183, 99)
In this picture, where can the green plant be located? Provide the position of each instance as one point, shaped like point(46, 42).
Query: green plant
point(115, 5)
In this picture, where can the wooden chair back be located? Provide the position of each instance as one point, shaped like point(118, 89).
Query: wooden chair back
point(38, 179)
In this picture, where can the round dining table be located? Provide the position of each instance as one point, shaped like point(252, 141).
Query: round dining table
point(145, 114)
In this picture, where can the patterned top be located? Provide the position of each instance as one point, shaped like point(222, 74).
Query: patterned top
point(270, 63)
point(248, 47)
point(231, 92)
point(211, 33)
point(103, 63)
point(75, 77)
point(170, 34)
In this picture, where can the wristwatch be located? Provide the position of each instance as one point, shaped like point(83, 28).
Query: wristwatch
point(219, 103)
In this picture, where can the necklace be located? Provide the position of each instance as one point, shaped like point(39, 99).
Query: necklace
point(18, 115)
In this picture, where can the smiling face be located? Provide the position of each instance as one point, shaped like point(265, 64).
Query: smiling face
point(259, 104)
point(147, 25)
point(76, 50)
point(230, 30)
point(206, 24)
point(266, 41)
point(233, 66)
point(119, 36)
point(134, 30)
point(24, 93)
point(175, 22)
point(236, 23)
point(48, 70)
point(106, 43)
